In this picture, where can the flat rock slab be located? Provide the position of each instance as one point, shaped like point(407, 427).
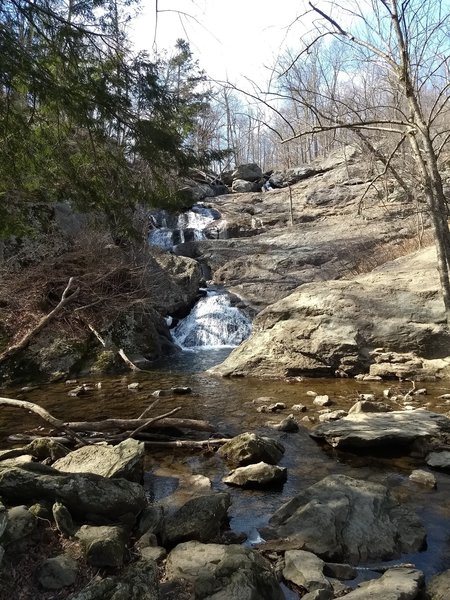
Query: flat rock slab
point(124, 460)
point(397, 429)
point(395, 584)
point(349, 520)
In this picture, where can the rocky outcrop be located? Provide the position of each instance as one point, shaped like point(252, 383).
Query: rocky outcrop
point(391, 431)
point(223, 572)
point(124, 460)
point(336, 326)
point(345, 519)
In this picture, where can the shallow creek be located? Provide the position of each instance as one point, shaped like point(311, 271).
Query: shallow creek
point(227, 404)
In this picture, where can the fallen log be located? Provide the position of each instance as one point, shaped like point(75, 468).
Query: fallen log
point(125, 424)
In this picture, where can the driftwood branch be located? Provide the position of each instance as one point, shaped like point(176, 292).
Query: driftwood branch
point(126, 424)
point(25, 340)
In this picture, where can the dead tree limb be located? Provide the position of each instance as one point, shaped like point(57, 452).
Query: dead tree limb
point(125, 424)
point(150, 422)
point(25, 340)
point(25, 438)
point(119, 351)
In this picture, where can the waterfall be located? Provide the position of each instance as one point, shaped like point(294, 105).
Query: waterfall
point(212, 323)
point(169, 230)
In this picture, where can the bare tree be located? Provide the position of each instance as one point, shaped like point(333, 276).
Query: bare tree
point(395, 88)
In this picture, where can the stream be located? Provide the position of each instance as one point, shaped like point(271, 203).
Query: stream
point(172, 477)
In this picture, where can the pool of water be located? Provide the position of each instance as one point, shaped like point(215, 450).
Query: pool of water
point(173, 476)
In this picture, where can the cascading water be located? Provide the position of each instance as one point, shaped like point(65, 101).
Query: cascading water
point(169, 230)
point(213, 323)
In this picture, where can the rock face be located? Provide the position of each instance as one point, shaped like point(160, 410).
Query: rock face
point(199, 519)
point(334, 326)
point(345, 519)
point(223, 572)
point(249, 448)
point(124, 460)
point(387, 431)
point(80, 493)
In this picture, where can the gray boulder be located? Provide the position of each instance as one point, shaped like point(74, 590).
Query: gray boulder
point(368, 406)
point(240, 186)
point(249, 448)
point(248, 172)
point(81, 493)
point(199, 519)
point(124, 460)
point(258, 475)
point(139, 581)
point(223, 572)
point(306, 570)
point(393, 430)
point(438, 586)
point(395, 584)
point(58, 572)
point(345, 519)
point(439, 460)
point(103, 546)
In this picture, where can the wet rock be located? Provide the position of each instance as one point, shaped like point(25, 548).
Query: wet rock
point(393, 430)
point(395, 584)
point(134, 386)
point(223, 572)
point(139, 581)
point(63, 520)
point(199, 519)
point(103, 546)
point(423, 477)
point(81, 493)
point(162, 393)
point(21, 523)
point(319, 595)
point(306, 570)
point(438, 586)
point(181, 390)
point(249, 448)
point(58, 572)
point(257, 475)
point(367, 406)
point(288, 425)
point(345, 519)
point(124, 460)
point(439, 460)
point(322, 401)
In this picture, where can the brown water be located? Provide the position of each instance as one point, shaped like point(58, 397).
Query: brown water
point(227, 404)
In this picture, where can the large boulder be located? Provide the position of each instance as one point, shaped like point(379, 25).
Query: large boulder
point(124, 460)
point(346, 519)
point(305, 569)
point(199, 519)
point(21, 523)
point(83, 494)
point(387, 431)
point(249, 448)
point(241, 186)
point(103, 546)
point(248, 172)
point(223, 572)
point(333, 326)
point(57, 572)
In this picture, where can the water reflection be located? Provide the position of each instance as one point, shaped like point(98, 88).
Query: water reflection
point(171, 475)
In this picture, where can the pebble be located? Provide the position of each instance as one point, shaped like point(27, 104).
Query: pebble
point(299, 408)
point(134, 386)
point(311, 393)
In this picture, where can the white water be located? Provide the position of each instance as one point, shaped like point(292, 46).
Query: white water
point(212, 323)
point(188, 226)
